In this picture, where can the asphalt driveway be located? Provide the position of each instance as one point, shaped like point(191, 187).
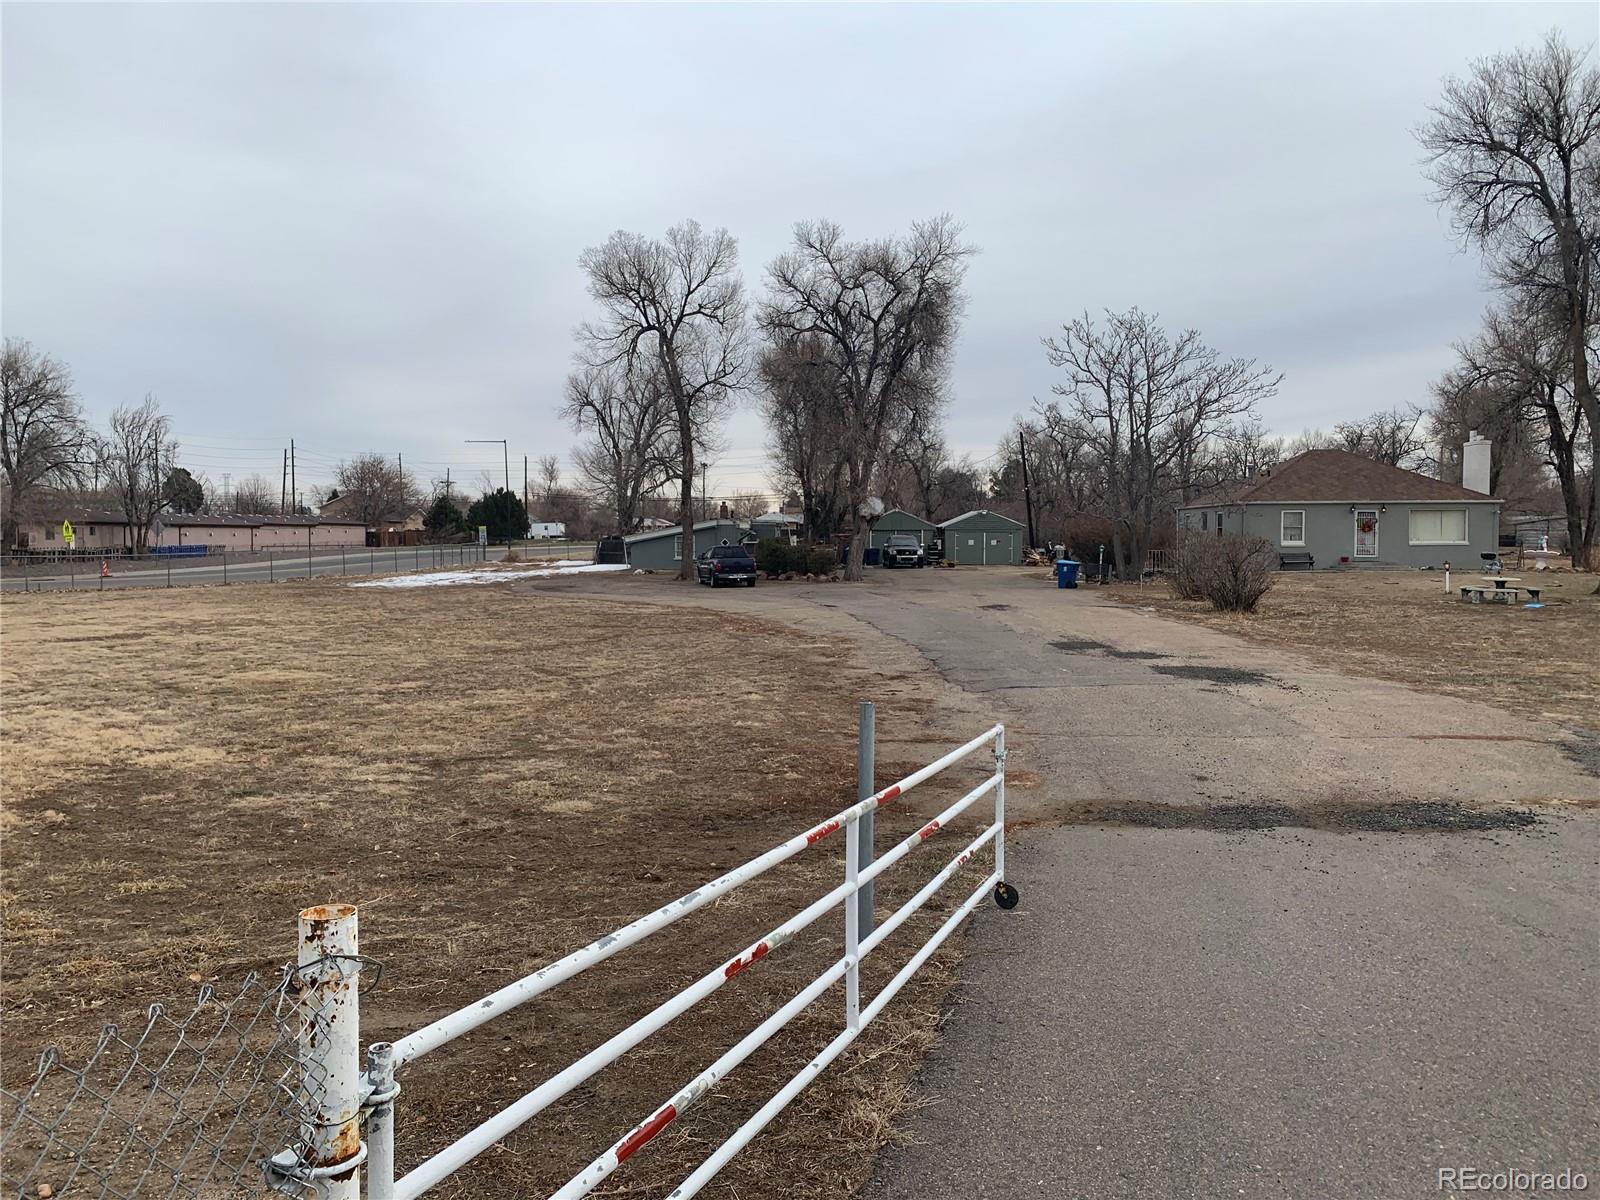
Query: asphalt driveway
point(1283, 932)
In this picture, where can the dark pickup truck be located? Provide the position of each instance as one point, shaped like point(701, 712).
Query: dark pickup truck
point(903, 550)
point(726, 564)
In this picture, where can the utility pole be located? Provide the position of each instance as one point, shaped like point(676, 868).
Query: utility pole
point(705, 501)
point(524, 483)
point(505, 450)
point(283, 485)
point(294, 489)
point(1027, 495)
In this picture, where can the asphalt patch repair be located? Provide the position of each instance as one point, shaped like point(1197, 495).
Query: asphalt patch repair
point(1400, 816)
point(1088, 646)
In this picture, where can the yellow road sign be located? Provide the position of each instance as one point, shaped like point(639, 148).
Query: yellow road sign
point(66, 532)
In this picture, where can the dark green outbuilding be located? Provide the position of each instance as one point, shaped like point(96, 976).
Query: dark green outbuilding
point(983, 539)
point(898, 520)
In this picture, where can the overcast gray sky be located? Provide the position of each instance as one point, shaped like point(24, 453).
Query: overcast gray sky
point(358, 226)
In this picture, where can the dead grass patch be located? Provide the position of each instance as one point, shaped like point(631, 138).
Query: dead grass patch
point(495, 778)
point(1400, 625)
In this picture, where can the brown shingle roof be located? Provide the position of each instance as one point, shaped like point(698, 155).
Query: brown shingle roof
point(1337, 476)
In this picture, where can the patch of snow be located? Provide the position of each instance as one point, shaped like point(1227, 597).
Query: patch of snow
point(496, 574)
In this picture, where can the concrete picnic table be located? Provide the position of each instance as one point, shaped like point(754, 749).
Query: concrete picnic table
point(1500, 581)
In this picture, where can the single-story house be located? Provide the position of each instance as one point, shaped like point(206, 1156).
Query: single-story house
point(898, 520)
point(92, 529)
point(101, 531)
point(662, 549)
point(983, 538)
point(781, 526)
point(1345, 509)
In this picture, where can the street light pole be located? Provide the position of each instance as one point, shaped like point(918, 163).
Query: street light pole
point(505, 450)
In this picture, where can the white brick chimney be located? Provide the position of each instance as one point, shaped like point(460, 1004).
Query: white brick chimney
point(1475, 463)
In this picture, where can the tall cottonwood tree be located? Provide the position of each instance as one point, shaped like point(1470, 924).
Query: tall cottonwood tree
point(1514, 150)
point(675, 305)
point(44, 442)
point(135, 455)
point(1146, 404)
point(803, 430)
point(631, 448)
point(883, 315)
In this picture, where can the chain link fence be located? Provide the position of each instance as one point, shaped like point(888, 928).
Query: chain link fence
point(191, 1104)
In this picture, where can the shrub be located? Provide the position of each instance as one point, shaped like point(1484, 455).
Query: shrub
point(819, 560)
point(1232, 572)
point(774, 557)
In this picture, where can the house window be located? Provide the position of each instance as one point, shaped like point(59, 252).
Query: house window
point(1438, 527)
point(49, 533)
point(1292, 527)
point(677, 545)
point(1219, 524)
point(91, 531)
point(1205, 520)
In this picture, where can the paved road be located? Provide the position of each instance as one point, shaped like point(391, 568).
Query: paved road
point(355, 561)
point(1203, 1011)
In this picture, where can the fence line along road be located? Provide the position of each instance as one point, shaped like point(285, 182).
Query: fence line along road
point(248, 567)
point(273, 1079)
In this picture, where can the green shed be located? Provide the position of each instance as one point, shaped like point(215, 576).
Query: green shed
point(898, 520)
point(983, 539)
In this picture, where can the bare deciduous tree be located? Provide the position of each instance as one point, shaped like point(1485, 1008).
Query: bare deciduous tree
point(803, 431)
point(747, 504)
point(43, 440)
point(549, 476)
point(1392, 436)
point(884, 315)
point(135, 454)
point(1514, 151)
point(1147, 404)
point(677, 305)
point(632, 444)
point(1522, 361)
point(254, 495)
point(378, 488)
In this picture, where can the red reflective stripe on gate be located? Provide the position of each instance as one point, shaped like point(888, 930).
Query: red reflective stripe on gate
point(644, 1133)
point(740, 964)
point(821, 831)
point(889, 794)
point(928, 830)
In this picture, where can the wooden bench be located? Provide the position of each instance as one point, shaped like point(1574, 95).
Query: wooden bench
point(1288, 561)
point(1472, 593)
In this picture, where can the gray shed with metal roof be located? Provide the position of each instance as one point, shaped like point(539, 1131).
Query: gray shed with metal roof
point(981, 538)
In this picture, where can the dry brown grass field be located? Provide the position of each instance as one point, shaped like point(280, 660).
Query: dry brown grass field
point(495, 778)
point(1401, 625)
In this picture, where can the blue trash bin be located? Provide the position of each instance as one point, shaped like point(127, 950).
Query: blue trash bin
point(1067, 572)
point(872, 556)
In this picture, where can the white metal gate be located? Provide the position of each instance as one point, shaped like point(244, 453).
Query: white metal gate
point(373, 1092)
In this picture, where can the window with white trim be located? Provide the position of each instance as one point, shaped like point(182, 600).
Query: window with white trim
point(677, 545)
point(1292, 527)
point(1438, 527)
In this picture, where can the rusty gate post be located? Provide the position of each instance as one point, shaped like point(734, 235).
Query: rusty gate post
point(331, 1041)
